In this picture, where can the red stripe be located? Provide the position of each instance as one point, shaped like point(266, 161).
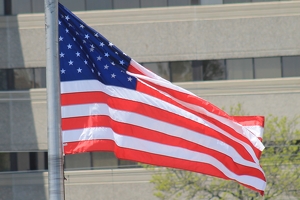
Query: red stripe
point(148, 158)
point(150, 91)
point(150, 135)
point(250, 120)
point(134, 70)
point(153, 112)
point(190, 99)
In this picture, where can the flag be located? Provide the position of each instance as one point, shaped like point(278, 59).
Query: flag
point(109, 102)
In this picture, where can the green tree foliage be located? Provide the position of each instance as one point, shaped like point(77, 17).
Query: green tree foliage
point(279, 160)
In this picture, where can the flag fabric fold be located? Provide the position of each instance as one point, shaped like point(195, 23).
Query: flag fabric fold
point(109, 102)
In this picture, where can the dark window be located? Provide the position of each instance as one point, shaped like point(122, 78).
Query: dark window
point(21, 7)
point(40, 77)
point(104, 159)
point(181, 71)
point(239, 68)
point(74, 5)
point(33, 160)
point(264, 0)
point(23, 79)
point(267, 67)
point(236, 1)
point(211, 2)
point(153, 3)
point(126, 4)
point(99, 4)
point(4, 162)
point(291, 66)
point(160, 68)
point(195, 2)
point(37, 6)
point(126, 163)
point(78, 161)
point(179, 2)
point(213, 70)
point(3, 79)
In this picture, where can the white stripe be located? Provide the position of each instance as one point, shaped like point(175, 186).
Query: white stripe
point(234, 125)
point(149, 123)
point(175, 152)
point(94, 85)
point(257, 130)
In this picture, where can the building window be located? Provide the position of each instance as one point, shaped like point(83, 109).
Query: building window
point(160, 68)
point(291, 66)
point(95, 160)
point(267, 67)
point(99, 4)
point(239, 68)
point(236, 1)
point(181, 71)
point(23, 79)
point(3, 79)
point(40, 77)
point(211, 2)
point(213, 70)
point(118, 4)
point(4, 162)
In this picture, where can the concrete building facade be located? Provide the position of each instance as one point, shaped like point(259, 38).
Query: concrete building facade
point(255, 45)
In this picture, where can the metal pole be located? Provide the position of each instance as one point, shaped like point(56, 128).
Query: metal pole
point(55, 157)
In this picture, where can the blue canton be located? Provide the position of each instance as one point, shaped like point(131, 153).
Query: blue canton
point(85, 54)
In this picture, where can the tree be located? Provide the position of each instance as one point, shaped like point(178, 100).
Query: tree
point(279, 160)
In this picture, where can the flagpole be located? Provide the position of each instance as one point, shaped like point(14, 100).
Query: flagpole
point(55, 157)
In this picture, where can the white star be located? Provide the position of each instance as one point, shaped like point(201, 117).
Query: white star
point(70, 25)
point(59, 22)
point(110, 44)
point(67, 30)
point(62, 71)
point(99, 73)
point(86, 36)
point(70, 62)
point(92, 49)
point(92, 46)
point(116, 52)
point(92, 70)
point(69, 46)
point(129, 79)
point(106, 67)
point(81, 26)
point(62, 54)
point(96, 35)
point(61, 38)
point(106, 55)
point(93, 65)
point(79, 70)
point(113, 75)
point(87, 55)
point(80, 47)
point(112, 63)
point(101, 44)
point(74, 39)
point(99, 58)
point(77, 54)
point(67, 17)
point(83, 41)
point(85, 62)
point(121, 62)
point(77, 33)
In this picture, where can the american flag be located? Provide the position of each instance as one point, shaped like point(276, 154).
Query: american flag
point(109, 102)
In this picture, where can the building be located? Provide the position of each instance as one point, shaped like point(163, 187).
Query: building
point(228, 52)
